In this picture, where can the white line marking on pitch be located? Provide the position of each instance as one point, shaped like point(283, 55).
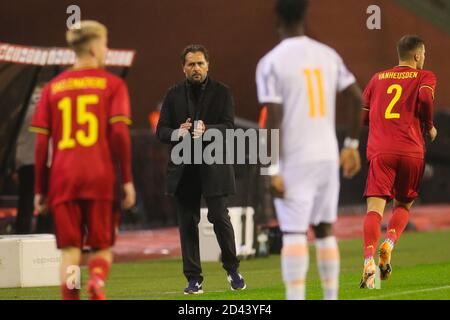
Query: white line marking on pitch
point(405, 292)
point(177, 292)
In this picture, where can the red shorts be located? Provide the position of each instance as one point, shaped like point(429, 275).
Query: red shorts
point(394, 177)
point(82, 223)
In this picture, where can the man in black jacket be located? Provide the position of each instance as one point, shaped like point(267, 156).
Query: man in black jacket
point(207, 104)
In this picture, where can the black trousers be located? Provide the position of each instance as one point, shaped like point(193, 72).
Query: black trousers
point(188, 199)
point(24, 219)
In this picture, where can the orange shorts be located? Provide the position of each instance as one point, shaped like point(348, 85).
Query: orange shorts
point(82, 223)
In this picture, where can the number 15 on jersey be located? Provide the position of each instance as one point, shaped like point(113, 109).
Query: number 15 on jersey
point(83, 116)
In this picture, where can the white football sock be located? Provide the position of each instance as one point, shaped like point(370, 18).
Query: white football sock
point(368, 260)
point(295, 262)
point(390, 243)
point(328, 262)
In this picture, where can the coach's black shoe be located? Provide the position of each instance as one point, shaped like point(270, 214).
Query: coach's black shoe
point(236, 281)
point(195, 286)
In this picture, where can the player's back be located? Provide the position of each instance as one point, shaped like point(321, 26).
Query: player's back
point(395, 117)
point(304, 76)
point(79, 105)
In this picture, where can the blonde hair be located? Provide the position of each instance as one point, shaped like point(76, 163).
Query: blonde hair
point(78, 37)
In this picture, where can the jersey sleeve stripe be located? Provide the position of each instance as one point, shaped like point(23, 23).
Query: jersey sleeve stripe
point(125, 119)
point(429, 87)
point(39, 130)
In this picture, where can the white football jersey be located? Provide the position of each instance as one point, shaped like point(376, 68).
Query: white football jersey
point(304, 75)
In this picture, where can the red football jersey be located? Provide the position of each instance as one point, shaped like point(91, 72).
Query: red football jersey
point(395, 121)
point(76, 109)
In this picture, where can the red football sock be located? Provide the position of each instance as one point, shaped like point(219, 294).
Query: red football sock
point(99, 267)
point(70, 294)
point(372, 232)
point(397, 223)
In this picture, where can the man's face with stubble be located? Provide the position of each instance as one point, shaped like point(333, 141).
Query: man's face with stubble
point(195, 67)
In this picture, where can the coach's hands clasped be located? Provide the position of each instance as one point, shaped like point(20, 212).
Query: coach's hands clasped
point(350, 162)
point(184, 128)
point(199, 129)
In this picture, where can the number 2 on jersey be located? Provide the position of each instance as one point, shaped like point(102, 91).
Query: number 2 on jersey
point(309, 84)
point(388, 114)
point(83, 116)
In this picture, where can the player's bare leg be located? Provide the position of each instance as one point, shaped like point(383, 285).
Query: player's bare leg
point(328, 260)
point(376, 204)
point(70, 256)
point(104, 254)
point(98, 272)
point(372, 226)
point(396, 225)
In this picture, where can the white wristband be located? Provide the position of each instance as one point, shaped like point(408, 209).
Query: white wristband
point(351, 143)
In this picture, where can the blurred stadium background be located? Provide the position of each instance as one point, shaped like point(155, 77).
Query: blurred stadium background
point(237, 33)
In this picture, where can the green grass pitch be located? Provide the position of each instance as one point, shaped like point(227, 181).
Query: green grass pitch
point(421, 264)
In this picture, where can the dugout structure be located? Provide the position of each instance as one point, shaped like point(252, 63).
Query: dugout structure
point(24, 70)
